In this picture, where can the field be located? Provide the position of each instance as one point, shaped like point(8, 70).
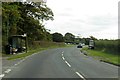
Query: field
point(105, 50)
point(109, 46)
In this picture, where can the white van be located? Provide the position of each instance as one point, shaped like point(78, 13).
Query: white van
point(91, 44)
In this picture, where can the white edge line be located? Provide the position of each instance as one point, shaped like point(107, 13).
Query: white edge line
point(8, 70)
point(80, 75)
point(2, 75)
point(62, 54)
point(67, 63)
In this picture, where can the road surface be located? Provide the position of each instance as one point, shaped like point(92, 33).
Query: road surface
point(62, 63)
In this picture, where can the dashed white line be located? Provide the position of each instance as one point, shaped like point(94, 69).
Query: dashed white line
point(67, 63)
point(16, 64)
point(63, 58)
point(8, 70)
point(62, 54)
point(70, 66)
point(80, 75)
point(2, 75)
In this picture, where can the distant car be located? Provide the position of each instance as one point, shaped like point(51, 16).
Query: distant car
point(79, 46)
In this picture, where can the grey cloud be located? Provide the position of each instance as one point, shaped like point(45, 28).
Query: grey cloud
point(103, 20)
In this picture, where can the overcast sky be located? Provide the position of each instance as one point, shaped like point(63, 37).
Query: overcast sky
point(98, 18)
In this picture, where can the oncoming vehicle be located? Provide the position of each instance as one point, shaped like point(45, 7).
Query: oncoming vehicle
point(91, 44)
point(79, 45)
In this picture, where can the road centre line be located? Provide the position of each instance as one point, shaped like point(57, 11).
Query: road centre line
point(70, 66)
point(63, 58)
point(15, 64)
point(62, 54)
point(67, 63)
point(80, 75)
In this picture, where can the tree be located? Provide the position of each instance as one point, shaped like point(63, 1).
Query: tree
point(28, 17)
point(93, 38)
point(34, 14)
point(69, 38)
point(57, 37)
point(25, 17)
point(10, 18)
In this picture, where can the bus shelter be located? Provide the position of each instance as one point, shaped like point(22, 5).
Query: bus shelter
point(18, 43)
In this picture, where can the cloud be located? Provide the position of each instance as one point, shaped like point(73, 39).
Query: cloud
point(104, 20)
point(85, 17)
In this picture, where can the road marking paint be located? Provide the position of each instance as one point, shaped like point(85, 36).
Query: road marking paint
point(67, 63)
point(8, 70)
point(22, 60)
point(80, 75)
point(63, 52)
point(63, 58)
point(16, 64)
point(2, 75)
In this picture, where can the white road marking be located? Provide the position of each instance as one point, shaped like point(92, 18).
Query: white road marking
point(70, 66)
point(80, 75)
point(67, 63)
point(20, 61)
point(63, 58)
point(16, 64)
point(8, 70)
point(2, 75)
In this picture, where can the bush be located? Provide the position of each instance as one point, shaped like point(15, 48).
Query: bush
point(110, 46)
point(44, 44)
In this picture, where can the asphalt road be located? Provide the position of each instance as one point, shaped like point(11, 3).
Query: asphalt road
point(62, 63)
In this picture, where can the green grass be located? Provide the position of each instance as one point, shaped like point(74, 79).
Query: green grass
point(32, 51)
point(12, 57)
point(103, 56)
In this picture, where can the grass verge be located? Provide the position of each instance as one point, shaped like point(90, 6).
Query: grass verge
point(103, 56)
point(23, 55)
point(32, 51)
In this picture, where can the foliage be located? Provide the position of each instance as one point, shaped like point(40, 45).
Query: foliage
point(57, 37)
point(19, 18)
point(103, 56)
point(69, 38)
point(93, 38)
point(28, 17)
point(111, 46)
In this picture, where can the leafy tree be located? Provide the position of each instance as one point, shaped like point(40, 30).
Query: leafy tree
point(34, 14)
point(93, 38)
point(10, 18)
point(57, 37)
point(27, 17)
point(69, 37)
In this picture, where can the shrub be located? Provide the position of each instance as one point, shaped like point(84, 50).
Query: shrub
point(110, 46)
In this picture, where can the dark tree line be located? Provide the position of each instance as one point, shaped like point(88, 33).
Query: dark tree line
point(70, 38)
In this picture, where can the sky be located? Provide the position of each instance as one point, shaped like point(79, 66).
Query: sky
point(84, 18)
